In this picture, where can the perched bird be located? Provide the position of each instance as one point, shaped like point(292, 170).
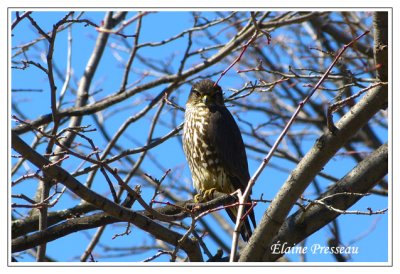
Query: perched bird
point(214, 148)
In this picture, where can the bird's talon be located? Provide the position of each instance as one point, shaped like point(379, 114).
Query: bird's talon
point(209, 194)
point(204, 196)
point(198, 198)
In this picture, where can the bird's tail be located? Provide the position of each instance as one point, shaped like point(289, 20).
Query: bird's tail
point(245, 230)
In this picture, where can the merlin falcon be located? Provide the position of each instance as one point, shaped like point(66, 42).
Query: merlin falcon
point(214, 148)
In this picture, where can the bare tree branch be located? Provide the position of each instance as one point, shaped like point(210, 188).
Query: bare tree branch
point(303, 223)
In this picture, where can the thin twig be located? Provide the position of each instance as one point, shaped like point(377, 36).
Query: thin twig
point(133, 53)
point(344, 212)
point(336, 106)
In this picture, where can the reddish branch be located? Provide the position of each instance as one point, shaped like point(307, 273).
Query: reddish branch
point(239, 57)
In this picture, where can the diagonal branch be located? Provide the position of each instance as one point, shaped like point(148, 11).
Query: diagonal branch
point(361, 179)
point(59, 174)
point(324, 149)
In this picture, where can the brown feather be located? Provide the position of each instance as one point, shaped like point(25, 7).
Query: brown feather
point(214, 146)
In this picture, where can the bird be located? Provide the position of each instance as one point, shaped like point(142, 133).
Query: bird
point(214, 149)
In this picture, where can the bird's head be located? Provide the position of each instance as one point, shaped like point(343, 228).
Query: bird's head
point(205, 93)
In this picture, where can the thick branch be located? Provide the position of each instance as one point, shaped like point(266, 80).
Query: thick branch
point(360, 180)
point(381, 44)
point(27, 225)
point(72, 223)
point(323, 150)
point(59, 174)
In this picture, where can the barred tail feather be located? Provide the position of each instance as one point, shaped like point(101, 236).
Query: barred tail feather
point(245, 230)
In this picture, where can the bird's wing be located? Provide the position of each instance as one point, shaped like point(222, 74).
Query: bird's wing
point(225, 136)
